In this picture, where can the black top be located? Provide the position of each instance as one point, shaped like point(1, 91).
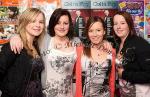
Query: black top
point(15, 72)
point(136, 60)
point(34, 88)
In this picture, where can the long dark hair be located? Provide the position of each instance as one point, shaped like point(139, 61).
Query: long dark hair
point(90, 22)
point(129, 20)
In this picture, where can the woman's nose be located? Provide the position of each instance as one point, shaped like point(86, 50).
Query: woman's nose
point(62, 25)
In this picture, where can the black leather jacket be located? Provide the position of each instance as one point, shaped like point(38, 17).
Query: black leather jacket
point(15, 71)
point(136, 60)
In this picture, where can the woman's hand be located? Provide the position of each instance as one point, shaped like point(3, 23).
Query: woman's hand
point(107, 46)
point(16, 43)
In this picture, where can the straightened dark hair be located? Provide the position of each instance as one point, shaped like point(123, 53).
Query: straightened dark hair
point(90, 22)
point(54, 20)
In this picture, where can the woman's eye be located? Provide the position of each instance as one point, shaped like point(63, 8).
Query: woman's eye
point(41, 22)
point(98, 30)
point(66, 23)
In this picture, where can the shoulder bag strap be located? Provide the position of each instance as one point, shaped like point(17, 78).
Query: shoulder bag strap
point(112, 77)
point(78, 73)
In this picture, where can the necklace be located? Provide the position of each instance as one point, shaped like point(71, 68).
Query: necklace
point(99, 53)
point(61, 44)
point(97, 46)
point(96, 52)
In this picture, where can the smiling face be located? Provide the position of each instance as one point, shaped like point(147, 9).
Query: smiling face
point(96, 33)
point(62, 27)
point(121, 27)
point(35, 27)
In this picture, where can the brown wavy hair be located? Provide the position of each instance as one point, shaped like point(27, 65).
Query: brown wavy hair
point(130, 23)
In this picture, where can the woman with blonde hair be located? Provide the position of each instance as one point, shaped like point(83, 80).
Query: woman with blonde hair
point(20, 73)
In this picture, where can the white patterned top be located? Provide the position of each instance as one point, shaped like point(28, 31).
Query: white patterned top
point(59, 69)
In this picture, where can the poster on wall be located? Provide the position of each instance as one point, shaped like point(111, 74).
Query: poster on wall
point(47, 6)
point(9, 12)
point(81, 10)
point(136, 9)
point(105, 9)
point(147, 20)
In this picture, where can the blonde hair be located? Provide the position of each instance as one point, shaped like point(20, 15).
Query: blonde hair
point(25, 18)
